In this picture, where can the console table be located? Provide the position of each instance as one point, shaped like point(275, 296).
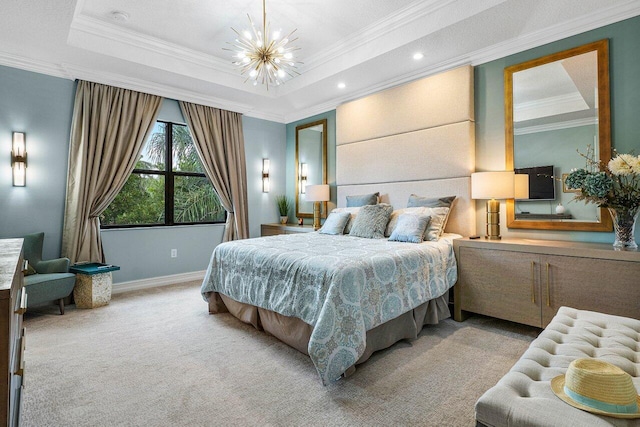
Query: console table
point(274, 229)
point(526, 280)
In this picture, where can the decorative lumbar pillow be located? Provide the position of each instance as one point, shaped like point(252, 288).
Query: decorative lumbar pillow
point(353, 213)
point(430, 202)
point(362, 200)
point(335, 223)
point(371, 221)
point(410, 228)
point(436, 225)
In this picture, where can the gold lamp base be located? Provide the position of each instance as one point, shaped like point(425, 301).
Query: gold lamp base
point(493, 220)
point(316, 216)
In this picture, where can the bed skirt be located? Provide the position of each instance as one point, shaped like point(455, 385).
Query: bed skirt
point(296, 333)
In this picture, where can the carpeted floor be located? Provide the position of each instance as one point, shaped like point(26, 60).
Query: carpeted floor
point(157, 358)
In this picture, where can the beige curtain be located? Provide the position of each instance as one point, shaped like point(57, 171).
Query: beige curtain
point(108, 131)
point(220, 143)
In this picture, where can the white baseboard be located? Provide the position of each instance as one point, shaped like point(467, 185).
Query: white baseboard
point(153, 282)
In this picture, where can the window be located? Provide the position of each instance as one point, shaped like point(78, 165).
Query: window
point(167, 187)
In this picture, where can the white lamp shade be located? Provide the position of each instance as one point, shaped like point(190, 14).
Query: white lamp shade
point(492, 185)
point(521, 186)
point(317, 193)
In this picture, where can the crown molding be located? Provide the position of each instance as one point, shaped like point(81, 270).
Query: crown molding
point(601, 18)
point(573, 27)
point(33, 65)
point(615, 13)
point(106, 38)
point(550, 106)
point(119, 34)
point(556, 126)
point(381, 28)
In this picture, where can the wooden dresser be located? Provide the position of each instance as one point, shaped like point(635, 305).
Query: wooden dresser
point(526, 281)
point(273, 229)
point(13, 303)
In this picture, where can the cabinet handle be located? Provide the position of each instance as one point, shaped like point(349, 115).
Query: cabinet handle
point(23, 301)
point(533, 284)
point(20, 371)
point(548, 294)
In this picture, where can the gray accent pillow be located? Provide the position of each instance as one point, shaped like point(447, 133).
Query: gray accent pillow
point(410, 228)
point(335, 223)
point(436, 225)
point(362, 200)
point(430, 202)
point(371, 221)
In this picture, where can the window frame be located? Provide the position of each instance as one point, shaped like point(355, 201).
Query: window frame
point(169, 195)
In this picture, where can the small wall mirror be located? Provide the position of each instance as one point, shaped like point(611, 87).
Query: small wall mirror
point(311, 164)
point(555, 107)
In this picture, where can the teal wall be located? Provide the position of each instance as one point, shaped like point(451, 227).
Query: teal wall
point(42, 107)
point(624, 68)
point(331, 157)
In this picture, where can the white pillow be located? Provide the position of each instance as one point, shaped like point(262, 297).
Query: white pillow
point(436, 225)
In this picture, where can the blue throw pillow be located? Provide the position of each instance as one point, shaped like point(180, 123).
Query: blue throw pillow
point(362, 200)
point(335, 223)
point(410, 228)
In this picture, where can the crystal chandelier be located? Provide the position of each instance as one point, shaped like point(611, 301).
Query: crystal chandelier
point(264, 57)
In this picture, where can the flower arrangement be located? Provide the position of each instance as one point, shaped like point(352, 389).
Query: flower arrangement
point(616, 185)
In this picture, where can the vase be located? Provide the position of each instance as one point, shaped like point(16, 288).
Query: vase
point(284, 219)
point(624, 224)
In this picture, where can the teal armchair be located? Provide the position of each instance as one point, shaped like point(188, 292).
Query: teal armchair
point(48, 280)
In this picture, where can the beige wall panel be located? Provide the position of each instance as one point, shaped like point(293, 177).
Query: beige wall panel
point(442, 152)
point(433, 101)
point(462, 219)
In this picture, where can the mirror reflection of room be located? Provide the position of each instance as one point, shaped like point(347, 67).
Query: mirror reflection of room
point(311, 164)
point(555, 115)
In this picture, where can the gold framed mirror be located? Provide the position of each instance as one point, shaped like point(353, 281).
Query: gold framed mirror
point(311, 164)
point(555, 107)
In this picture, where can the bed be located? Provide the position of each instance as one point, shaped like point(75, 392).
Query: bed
point(417, 138)
point(322, 293)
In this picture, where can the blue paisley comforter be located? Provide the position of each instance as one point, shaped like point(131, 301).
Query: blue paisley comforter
point(341, 285)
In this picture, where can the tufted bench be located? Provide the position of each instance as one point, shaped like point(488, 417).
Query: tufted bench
point(523, 397)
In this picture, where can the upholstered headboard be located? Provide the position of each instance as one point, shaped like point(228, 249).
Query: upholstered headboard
point(415, 138)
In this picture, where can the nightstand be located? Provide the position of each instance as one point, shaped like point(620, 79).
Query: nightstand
point(274, 229)
point(527, 281)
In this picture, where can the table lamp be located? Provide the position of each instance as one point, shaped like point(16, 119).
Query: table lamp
point(317, 194)
point(492, 186)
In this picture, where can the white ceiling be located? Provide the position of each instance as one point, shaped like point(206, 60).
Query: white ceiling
point(175, 48)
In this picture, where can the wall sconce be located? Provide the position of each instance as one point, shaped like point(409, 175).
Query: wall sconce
point(304, 172)
point(19, 159)
point(265, 175)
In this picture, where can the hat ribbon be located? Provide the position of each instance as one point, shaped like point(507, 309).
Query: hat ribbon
point(600, 405)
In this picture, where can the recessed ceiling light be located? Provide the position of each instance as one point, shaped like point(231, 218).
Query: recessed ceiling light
point(341, 85)
point(119, 16)
point(418, 56)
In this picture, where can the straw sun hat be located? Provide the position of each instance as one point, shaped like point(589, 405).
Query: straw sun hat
point(598, 387)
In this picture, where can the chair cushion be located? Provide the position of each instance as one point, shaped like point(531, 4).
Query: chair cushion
point(48, 287)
